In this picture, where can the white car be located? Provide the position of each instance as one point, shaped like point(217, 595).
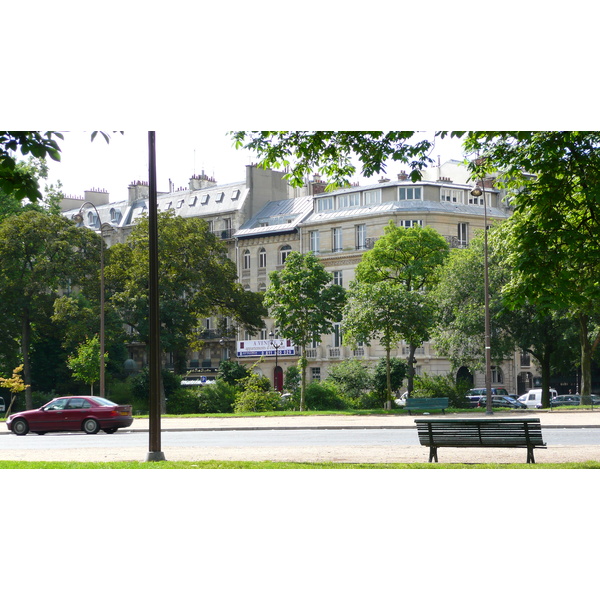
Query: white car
point(533, 398)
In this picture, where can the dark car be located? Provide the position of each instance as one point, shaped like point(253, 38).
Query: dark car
point(72, 413)
point(565, 400)
point(502, 402)
point(475, 395)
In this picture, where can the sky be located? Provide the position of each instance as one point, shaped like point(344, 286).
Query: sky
point(180, 153)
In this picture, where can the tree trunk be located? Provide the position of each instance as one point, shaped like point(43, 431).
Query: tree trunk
point(545, 365)
point(302, 363)
point(25, 342)
point(388, 378)
point(586, 361)
point(411, 369)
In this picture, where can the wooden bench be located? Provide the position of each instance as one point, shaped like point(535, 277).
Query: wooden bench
point(480, 433)
point(426, 404)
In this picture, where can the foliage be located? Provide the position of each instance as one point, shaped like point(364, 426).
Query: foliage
point(255, 397)
point(442, 386)
point(231, 372)
point(140, 387)
point(301, 153)
point(554, 247)
point(323, 396)
point(292, 379)
point(182, 401)
point(14, 384)
point(352, 377)
point(217, 398)
point(304, 303)
point(196, 280)
point(398, 370)
point(86, 363)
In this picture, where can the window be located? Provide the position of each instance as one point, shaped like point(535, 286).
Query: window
point(452, 195)
point(193, 200)
point(235, 194)
point(411, 223)
point(361, 236)
point(463, 234)
point(205, 198)
point(409, 193)
point(315, 373)
point(349, 200)
point(314, 241)
point(525, 359)
point(93, 220)
point(372, 197)
point(180, 203)
point(336, 239)
point(262, 287)
point(325, 204)
point(246, 259)
point(284, 253)
point(338, 278)
point(336, 336)
point(497, 375)
point(262, 259)
point(220, 197)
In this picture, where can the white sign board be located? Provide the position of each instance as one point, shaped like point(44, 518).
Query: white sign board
point(265, 348)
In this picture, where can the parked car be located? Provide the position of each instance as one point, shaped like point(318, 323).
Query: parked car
point(2, 405)
point(533, 398)
point(496, 391)
point(570, 400)
point(72, 413)
point(502, 402)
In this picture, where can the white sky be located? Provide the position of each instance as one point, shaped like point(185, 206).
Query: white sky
point(180, 153)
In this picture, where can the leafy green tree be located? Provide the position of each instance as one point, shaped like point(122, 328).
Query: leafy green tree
point(86, 363)
point(388, 312)
point(554, 179)
point(443, 386)
point(256, 395)
point(232, 372)
point(407, 258)
point(352, 377)
point(39, 254)
point(397, 374)
point(333, 153)
point(15, 385)
point(196, 278)
point(304, 303)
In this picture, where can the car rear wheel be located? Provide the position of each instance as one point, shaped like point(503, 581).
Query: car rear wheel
point(20, 427)
point(91, 426)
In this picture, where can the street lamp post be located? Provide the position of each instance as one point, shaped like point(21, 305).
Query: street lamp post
point(78, 218)
point(477, 192)
point(276, 344)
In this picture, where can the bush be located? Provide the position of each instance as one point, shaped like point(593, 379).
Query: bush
point(232, 372)
point(323, 396)
point(218, 397)
point(442, 386)
point(182, 402)
point(255, 397)
point(352, 378)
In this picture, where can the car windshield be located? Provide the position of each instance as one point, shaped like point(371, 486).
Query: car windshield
point(103, 401)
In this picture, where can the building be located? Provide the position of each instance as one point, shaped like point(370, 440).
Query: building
point(262, 220)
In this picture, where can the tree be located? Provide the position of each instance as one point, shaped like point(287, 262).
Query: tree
point(304, 304)
point(197, 280)
point(86, 363)
point(389, 312)
point(15, 385)
point(554, 179)
point(407, 258)
point(332, 153)
point(352, 377)
point(397, 371)
point(39, 254)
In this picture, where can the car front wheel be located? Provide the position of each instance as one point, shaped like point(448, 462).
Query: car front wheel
point(91, 426)
point(20, 427)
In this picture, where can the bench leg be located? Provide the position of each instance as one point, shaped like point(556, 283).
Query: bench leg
point(530, 458)
point(433, 454)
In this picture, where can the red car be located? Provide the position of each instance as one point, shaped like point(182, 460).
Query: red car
point(72, 413)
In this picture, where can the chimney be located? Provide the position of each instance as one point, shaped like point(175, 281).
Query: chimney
point(138, 189)
point(402, 176)
point(199, 182)
point(96, 197)
point(317, 185)
point(384, 180)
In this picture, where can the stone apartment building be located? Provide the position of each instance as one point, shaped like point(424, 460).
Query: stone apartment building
point(261, 219)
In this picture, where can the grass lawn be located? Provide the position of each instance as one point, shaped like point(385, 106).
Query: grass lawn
point(216, 464)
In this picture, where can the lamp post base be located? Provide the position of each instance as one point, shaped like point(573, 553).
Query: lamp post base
point(155, 456)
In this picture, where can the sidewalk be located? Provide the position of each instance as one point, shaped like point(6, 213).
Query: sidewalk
point(349, 454)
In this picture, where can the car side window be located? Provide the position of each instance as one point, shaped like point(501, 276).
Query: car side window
point(75, 403)
point(57, 404)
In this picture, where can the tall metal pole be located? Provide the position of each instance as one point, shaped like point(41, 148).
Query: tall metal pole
point(154, 453)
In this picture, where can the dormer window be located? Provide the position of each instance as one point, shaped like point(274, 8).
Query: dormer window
point(180, 203)
point(220, 197)
point(235, 194)
point(205, 198)
point(193, 201)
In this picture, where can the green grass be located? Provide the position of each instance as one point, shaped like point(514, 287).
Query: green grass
point(216, 464)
